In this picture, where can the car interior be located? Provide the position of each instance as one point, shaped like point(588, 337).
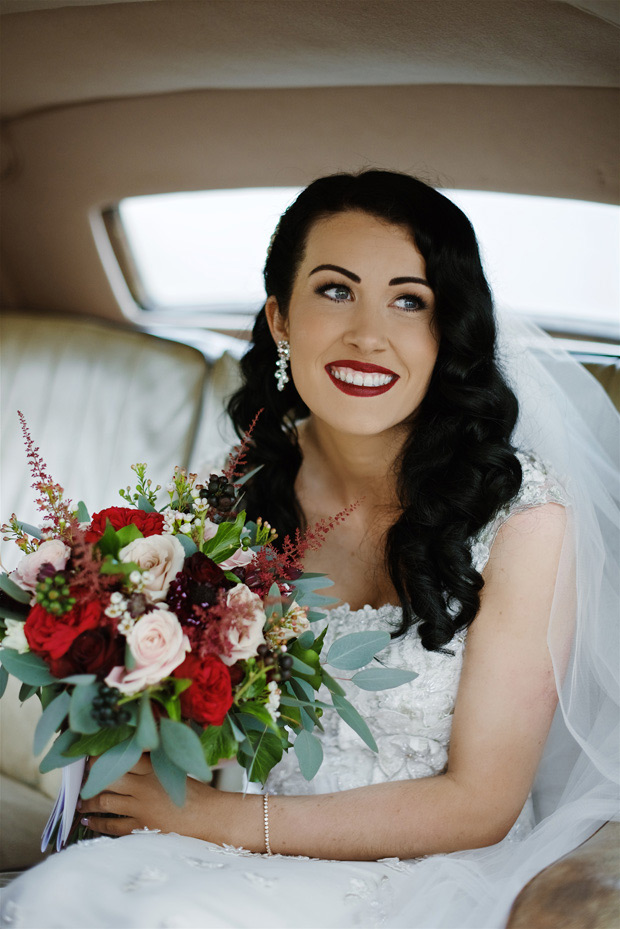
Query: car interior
point(118, 115)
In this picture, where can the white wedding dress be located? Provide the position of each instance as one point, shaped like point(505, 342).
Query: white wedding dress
point(153, 880)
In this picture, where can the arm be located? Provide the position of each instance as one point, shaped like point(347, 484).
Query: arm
point(505, 704)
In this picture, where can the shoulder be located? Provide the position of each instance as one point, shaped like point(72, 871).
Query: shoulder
point(537, 508)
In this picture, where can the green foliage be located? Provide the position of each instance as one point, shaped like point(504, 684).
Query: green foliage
point(82, 513)
point(26, 691)
point(13, 590)
point(382, 678)
point(226, 540)
point(80, 715)
point(4, 679)
point(52, 717)
point(309, 753)
point(170, 776)
point(145, 495)
point(353, 719)
point(182, 745)
point(117, 761)
point(58, 757)
point(259, 752)
point(27, 667)
point(356, 649)
point(99, 742)
point(218, 742)
point(146, 733)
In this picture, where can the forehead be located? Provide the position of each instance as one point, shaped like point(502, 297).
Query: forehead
point(360, 237)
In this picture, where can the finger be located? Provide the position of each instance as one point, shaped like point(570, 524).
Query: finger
point(106, 802)
point(113, 826)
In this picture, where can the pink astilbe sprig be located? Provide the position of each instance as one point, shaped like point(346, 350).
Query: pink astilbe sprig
point(51, 500)
point(237, 460)
point(87, 582)
point(270, 565)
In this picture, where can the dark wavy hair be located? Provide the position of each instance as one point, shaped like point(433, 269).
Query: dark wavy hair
point(458, 467)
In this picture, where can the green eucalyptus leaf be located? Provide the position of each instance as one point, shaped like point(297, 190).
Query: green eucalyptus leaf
point(26, 691)
point(301, 666)
point(382, 678)
point(14, 591)
point(309, 753)
point(79, 679)
point(353, 719)
point(183, 746)
point(82, 512)
point(51, 718)
point(56, 757)
point(170, 776)
point(331, 684)
point(146, 733)
point(236, 731)
point(80, 712)
point(145, 505)
point(356, 649)
point(306, 639)
point(259, 712)
point(26, 667)
point(7, 611)
point(4, 679)
point(188, 544)
point(117, 761)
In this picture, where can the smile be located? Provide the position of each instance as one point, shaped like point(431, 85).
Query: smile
point(359, 379)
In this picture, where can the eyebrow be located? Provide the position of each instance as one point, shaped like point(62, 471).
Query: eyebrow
point(358, 280)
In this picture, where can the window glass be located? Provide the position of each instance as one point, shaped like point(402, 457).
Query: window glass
point(557, 261)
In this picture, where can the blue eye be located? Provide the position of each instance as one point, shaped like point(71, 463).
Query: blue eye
point(411, 302)
point(340, 292)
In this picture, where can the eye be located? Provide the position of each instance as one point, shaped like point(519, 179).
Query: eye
point(337, 292)
point(411, 302)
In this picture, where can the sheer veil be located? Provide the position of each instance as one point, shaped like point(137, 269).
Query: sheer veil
point(568, 420)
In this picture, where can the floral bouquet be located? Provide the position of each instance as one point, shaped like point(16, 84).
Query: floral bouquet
point(183, 632)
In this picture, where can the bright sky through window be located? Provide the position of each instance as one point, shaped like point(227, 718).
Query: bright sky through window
point(548, 258)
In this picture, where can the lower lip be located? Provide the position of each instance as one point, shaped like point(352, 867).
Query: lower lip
point(354, 390)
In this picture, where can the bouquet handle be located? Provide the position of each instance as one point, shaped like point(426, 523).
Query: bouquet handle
point(63, 813)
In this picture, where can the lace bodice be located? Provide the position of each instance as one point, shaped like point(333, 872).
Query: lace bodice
point(411, 723)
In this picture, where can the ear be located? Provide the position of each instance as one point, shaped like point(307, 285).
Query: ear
point(278, 324)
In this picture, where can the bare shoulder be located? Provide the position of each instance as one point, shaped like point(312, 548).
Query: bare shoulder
point(529, 539)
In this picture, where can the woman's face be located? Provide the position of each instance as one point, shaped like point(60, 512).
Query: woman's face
point(360, 324)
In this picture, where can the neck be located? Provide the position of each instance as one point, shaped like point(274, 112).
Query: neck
point(352, 466)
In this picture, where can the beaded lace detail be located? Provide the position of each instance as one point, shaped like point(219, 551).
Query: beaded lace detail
point(411, 723)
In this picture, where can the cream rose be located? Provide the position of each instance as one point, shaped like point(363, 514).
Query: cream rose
point(161, 555)
point(246, 630)
point(158, 645)
point(52, 552)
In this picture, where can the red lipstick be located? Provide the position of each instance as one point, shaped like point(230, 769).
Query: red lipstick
point(359, 390)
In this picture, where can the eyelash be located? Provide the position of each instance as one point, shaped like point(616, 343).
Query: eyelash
point(322, 290)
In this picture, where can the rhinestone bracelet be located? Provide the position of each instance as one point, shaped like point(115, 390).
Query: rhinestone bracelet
point(266, 823)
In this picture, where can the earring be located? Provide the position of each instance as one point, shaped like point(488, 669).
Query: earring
point(284, 353)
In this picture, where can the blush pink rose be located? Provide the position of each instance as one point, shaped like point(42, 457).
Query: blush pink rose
point(245, 632)
point(240, 559)
point(52, 552)
point(161, 555)
point(158, 645)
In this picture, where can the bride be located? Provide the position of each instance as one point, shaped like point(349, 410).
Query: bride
point(478, 538)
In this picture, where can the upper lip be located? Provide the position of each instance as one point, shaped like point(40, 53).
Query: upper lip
point(362, 366)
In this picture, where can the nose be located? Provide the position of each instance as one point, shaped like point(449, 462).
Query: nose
point(366, 329)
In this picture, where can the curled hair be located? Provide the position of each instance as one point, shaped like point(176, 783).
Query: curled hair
point(457, 467)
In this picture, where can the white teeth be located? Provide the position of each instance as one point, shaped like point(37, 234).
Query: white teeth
point(349, 376)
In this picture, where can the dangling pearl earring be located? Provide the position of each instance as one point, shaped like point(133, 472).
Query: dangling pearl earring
point(284, 353)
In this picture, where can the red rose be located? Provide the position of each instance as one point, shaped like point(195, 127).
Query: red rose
point(119, 516)
point(210, 697)
point(52, 636)
point(95, 651)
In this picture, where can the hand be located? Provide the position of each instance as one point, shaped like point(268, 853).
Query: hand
point(142, 802)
